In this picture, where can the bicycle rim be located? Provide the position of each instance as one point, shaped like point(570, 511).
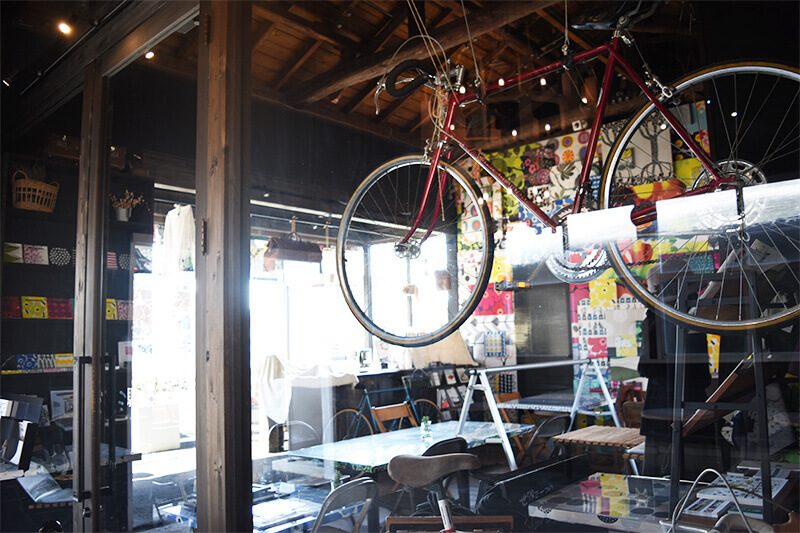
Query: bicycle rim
point(729, 260)
point(414, 292)
point(347, 424)
point(427, 408)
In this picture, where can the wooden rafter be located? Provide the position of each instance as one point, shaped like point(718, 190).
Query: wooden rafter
point(296, 62)
point(369, 88)
point(451, 34)
point(267, 29)
point(316, 30)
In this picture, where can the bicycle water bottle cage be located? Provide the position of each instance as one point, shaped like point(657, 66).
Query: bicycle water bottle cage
point(425, 73)
point(409, 249)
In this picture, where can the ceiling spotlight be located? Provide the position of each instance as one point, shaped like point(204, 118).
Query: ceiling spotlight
point(547, 127)
point(452, 127)
point(585, 100)
point(543, 81)
point(501, 82)
point(64, 28)
point(514, 133)
point(708, 101)
point(735, 114)
point(462, 90)
point(149, 55)
point(663, 126)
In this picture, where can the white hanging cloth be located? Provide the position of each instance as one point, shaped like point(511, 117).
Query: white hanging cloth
point(179, 241)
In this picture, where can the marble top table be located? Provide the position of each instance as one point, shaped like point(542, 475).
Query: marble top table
point(373, 452)
point(611, 501)
point(554, 402)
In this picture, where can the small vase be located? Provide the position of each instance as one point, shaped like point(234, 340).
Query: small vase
point(123, 214)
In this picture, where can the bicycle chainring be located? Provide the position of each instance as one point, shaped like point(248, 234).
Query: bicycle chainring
point(572, 266)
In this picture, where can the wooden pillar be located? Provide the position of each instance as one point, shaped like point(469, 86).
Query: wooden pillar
point(89, 310)
point(224, 495)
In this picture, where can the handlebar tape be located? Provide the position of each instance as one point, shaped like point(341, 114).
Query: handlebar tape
point(425, 71)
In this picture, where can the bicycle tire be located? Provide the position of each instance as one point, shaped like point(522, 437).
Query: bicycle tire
point(347, 424)
point(420, 291)
point(745, 106)
point(424, 407)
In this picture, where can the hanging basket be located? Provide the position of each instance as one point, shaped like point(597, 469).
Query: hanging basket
point(33, 195)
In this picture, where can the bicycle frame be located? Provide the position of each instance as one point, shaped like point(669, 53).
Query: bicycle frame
point(639, 215)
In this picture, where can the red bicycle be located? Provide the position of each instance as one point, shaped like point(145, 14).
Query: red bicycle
point(416, 241)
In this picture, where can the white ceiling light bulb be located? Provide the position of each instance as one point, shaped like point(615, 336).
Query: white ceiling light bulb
point(501, 82)
point(64, 28)
point(149, 55)
point(543, 81)
point(514, 133)
point(462, 90)
point(585, 100)
point(547, 127)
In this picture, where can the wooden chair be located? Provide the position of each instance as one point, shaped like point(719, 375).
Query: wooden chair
point(398, 411)
point(524, 418)
point(630, 415)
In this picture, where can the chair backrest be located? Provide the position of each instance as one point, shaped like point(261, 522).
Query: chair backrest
point(398, 411)
point(627, 393)
point(549, 428)
point(351, 493)
point(443, 447)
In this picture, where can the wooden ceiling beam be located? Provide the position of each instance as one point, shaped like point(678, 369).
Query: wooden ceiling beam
point(452, 34)
point(138, 27)
point(316, 30)
point(268, 28)
point(296, 62)
point(398, 17)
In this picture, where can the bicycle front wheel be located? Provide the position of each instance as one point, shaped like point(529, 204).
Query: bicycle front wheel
point(728, 259)
point(413, 288)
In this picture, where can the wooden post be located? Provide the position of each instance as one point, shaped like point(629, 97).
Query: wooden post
point(224, 495)
point(90, 300)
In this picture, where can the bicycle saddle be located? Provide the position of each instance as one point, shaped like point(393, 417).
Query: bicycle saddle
point(418, 472)
point(609, 17)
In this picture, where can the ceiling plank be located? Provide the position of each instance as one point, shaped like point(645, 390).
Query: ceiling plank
point(267, 30)
point(136, 28)
point(296, 62)
point(452, 34)
point(398, 17)
point(312, 29)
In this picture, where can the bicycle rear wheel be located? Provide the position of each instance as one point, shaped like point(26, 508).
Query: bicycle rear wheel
point(725, 260)
point(424, 408)
point(347, 424)
point(415, 291)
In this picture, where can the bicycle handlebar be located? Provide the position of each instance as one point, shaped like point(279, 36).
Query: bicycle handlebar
point(425, 70)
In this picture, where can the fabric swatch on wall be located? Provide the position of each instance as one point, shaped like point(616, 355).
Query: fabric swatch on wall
point(12, 252)
point(124, 310)
point(34, 306)
point(27, 361)
point(59, 256)
point(11, 307)
point(111, 309)
point(35, 254)
point(602, 293)
point(59, 308)
point(495, 303)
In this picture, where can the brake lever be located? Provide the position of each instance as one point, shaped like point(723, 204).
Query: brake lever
point(381, 87)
